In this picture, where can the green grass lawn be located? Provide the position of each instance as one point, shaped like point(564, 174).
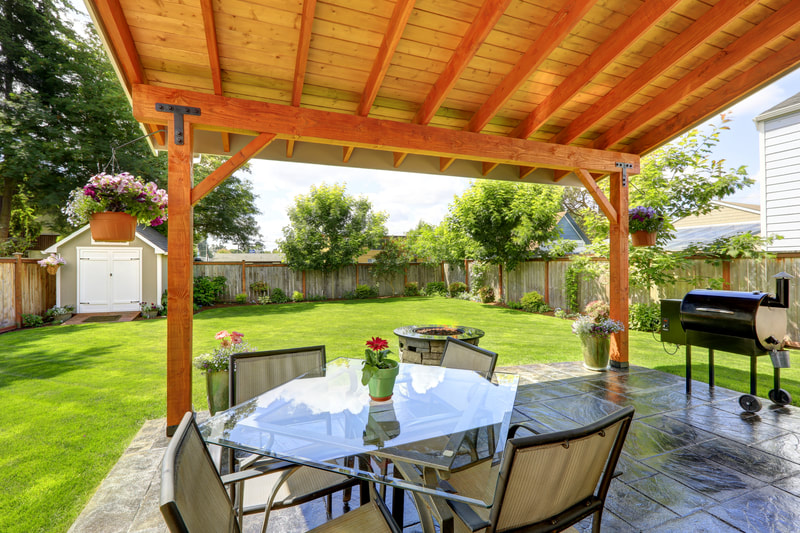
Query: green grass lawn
point(74, 396)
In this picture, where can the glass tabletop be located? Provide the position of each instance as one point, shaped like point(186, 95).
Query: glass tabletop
point(438, 421)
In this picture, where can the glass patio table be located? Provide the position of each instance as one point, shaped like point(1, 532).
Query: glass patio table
point(439, 421)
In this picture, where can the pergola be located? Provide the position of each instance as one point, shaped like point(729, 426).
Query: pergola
point(565, 92)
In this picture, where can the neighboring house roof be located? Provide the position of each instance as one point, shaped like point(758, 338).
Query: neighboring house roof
point(145, 233)
point(731, 218)
point(726, 213)
point(255, 258)
point(787, 106)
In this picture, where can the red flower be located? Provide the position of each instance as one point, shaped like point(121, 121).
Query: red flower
point(377, 344)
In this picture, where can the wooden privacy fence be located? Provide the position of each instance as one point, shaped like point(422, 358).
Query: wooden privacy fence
point(25, 289)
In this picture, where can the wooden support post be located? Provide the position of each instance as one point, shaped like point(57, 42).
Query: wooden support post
point(405, 279)
point(356, 275)
point(305, 296)
point(618, 268)
point(18, 289)
point(244, 277)
point(179, 278)
point(441, 271)
point(726, 275)
point(501, 281)
point(466, 273)
point(547, 282)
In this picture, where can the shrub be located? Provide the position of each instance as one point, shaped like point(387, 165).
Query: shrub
point(486, 294)
point(207, 289)
point(163, 311)
point(597, 310)
point(366, 291)
point(349, 295)
point(32, 321)
point(436, 288)
point(264, 300)
point(645, 317)
point(297, 296)
point(411, 289)
point(533, 302)
point(259, 286)
point(456, 288)
point(241, 298)
point(514, 305)
point(317, 298)
point(278, 296)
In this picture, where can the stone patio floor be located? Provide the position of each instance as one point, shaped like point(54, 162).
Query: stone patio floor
point(691, 462)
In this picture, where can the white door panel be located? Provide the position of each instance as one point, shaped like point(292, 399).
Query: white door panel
point(110, 280)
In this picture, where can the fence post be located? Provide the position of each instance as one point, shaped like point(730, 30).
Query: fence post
point(547, 282)
point(244, 278)
point(726, 275)
point(18, 289)
point(466, 273)
point(304, 285)
point(501, 281)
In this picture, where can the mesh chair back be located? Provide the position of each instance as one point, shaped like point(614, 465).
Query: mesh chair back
point(460, 354)
point(193, 498)
point(257, 372)
point(544, 476)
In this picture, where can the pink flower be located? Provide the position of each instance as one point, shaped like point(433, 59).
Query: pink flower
point(221, 335)
point(236, 337)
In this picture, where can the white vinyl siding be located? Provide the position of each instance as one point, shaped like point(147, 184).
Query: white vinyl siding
point(781, 166)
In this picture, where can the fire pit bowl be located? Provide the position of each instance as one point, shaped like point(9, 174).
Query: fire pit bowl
point(425, 344)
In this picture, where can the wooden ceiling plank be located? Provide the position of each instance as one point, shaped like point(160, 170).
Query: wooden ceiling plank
point(555, 32)
point(487, 167)
point(230, 166)
point(645, 17)
point(303, 45)
point(747, 82)
point(739, 50)
point(312, 125)
point(597, 194)
point(486, 18)
point(402, 11)
point(710, 22)
point(119, 33)
point(210, 30)
point(399, 157)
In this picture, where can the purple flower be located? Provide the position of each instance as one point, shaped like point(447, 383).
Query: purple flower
point(156, 222)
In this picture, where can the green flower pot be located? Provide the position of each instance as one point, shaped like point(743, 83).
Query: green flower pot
point(595, 352)
point(381, 384)
point(217, 391)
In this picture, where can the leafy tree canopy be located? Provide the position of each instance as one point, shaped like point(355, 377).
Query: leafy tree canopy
point(391, 261)
point(439, 244)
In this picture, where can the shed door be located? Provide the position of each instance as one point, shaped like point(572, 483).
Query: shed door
point(109, 280)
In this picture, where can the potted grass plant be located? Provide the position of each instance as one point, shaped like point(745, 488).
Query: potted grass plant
point(379, 372)
point(594, 330)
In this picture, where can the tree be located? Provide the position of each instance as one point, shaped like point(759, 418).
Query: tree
point(441, 244)
point(329, 229)
point(507, 219)
point(390, 262)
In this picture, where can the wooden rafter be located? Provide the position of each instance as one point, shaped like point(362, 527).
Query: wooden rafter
point(597, 194)
point(230, 166)
point(644, 18)
point(313, 125)
point(399, 157)
point(289, 148)
point(402, 10)
point(303, 45)
point(714, 19)
point(524, 171)
point(739, 87)
point(487, 167)
point(486, 18)
point(758, 36)
point(555, 32)
point(347, 152)
point(211, 43)
point(558, 175)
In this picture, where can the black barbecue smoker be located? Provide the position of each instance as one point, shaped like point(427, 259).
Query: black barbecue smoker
point(746, 323)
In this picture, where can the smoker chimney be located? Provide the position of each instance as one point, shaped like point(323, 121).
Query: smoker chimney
point(782, 289)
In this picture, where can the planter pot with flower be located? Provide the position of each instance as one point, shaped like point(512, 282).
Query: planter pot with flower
point(59, 315)
point(379, 373)
point(215, 367)
point(52, 263)
point(594, 330)
point(150, 310)
point(113, 204)
point(643, 225)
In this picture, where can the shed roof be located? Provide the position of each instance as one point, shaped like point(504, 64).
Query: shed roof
point(147, 234)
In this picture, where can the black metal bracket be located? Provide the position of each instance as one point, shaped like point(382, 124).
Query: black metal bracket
point(178, 111)
point(624, 167)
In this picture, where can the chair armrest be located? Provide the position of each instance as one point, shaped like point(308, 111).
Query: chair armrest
point(513, 430)
point(467, 515)
point(261, 470)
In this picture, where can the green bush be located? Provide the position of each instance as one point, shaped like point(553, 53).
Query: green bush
point(163, 310)
point(317, 298)
point(264, 300)
point(278, 296)
point(456, 288)
point(259, 286)
point(349, 295)
point(241, 298)
point(514, 305)
point(366, 291)
point(486, 294)
point(533, 302)
point(436, 288)
point(297, 296)
point(411, 289)
point(207, 289)
point(645, 317)
point(32, 321)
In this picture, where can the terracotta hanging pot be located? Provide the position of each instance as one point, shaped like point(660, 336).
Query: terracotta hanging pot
point(110, 226)
point(643, 238)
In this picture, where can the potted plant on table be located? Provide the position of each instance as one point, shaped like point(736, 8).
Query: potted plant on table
point(112, 204)
point(215, 366)
point(379, 372)
point(52, 263)
point(643, 225)
point(594, 329)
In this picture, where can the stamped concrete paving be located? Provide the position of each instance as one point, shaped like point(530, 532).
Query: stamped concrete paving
point(691, 463)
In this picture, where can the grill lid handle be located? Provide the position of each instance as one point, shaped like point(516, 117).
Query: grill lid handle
point(715, 310)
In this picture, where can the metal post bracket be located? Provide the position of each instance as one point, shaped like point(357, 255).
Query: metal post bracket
point(178, 111)
point(624, 167)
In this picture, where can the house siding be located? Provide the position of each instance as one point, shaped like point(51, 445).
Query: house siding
point(781, 164)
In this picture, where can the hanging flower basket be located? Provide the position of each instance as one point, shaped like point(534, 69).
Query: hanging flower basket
point(643, 238)
point(52, 269)
point(110, 226)
point(52, 263)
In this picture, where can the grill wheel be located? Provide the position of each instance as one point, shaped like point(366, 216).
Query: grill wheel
point(750, 403)
point(780, 396)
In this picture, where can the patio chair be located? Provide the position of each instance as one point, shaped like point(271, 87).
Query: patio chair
point(194, 499)
point(547, 482)
point(461, 354)
point(253, 373)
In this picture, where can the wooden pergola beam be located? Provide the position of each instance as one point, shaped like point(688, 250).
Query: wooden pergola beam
point(695, 35)
point(597, 194)
point(768, 29)
point(303, 45)
point(230, 166)
point(210, 29)
point(312, 125)
point(486, 19)
point(556, 30)
point(644, 18)
point(618, 265)
point(402, 10)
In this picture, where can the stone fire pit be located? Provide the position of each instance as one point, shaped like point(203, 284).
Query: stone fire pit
point(425, 344)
